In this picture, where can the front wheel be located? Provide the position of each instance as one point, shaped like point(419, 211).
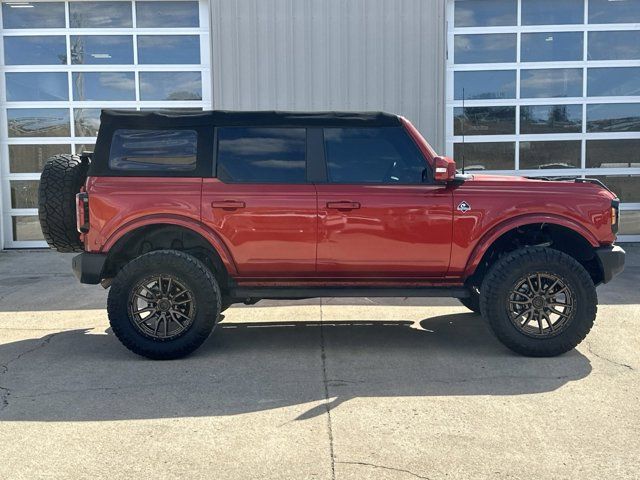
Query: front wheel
point(539, 302)
point(163, 304)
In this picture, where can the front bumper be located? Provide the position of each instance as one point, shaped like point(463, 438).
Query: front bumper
point(611, 260)
point(88, 267)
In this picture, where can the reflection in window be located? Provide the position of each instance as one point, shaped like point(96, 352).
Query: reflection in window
point(609, 11)
point(262, 155)
point(177, 49)
point(485, 13)
point(613, 81)
point(373, 155)
point(485, 48)
point(623, 153)
point(485, 121)
point(552, 12)
point(31, 158)
point(630, 220)
point(550, 119)
point(37, 15)
point(154, 150)
point(485, 84)
point(170, 86)
point(167, 14)
point(107, 86)
point(24, 193)
point(26, 228)
point(622, 45)
point(557, 82)
point(41, 86)
point(38, 122)
point(613, 117)
point(100, 14)
point(485, 156)
point(550, 155)
point(101, 49)
point(35, 50)
point(86, 122)
point(551, 46)
point(626, 187)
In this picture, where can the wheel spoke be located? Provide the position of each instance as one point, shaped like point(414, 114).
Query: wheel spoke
point(557, 312)
point(160, 319)
point(144, 310)
point(175, 319)
point(143, 297)
point(550, 289)
point(546, 317)
point(519, 302)
point(176, 312)
point(531, 289)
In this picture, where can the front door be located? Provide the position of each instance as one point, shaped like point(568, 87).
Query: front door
point(379, 214)
point(261, 203)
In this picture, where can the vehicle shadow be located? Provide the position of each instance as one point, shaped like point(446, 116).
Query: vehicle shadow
point(83, 375)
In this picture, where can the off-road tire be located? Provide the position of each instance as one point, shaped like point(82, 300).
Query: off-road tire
point(193, 274)
point(62, 178)
point(505, 273)
point(472, 302)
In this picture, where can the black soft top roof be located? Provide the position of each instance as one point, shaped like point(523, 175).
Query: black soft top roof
point(129, 118)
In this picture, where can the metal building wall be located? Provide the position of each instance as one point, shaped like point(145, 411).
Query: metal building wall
point(332, 54)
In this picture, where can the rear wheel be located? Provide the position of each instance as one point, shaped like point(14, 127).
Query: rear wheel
point(539, 302)
point(163, 304)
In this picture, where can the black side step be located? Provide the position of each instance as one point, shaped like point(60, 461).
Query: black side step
point(316, 292)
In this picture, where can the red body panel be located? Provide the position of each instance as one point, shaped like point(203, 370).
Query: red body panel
point(346, 234)
point(395, 231)
point(273, 234)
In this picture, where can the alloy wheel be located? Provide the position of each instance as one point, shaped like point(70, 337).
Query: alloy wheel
point(162, 307)
point(541, 304)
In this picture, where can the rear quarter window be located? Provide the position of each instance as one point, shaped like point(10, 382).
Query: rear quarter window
point(154, 150)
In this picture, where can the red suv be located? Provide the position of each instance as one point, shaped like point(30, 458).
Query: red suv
point(184, 214)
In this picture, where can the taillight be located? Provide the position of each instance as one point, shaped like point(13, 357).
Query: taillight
point(615, 215)
point(82, 212)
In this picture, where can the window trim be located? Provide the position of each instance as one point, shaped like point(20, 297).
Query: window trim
point(216, 146)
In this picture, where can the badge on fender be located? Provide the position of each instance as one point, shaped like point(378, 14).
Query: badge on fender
point(464, 207)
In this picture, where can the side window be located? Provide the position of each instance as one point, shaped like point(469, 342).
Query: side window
point(262, 155)
point(154, 150)
point(373, 155)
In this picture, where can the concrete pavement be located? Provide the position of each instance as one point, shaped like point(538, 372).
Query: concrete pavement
point(343, 388)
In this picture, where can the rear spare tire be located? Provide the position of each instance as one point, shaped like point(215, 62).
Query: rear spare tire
point(62, 178)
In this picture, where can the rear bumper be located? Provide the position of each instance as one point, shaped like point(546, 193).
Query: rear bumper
point(611, 261)
point(88, 267)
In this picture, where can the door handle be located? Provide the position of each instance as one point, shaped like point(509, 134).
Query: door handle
point(228, 204)
point(343, 205)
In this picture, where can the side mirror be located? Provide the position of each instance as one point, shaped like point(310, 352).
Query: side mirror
point(444, 169)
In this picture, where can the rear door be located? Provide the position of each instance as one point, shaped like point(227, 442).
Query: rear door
point(380, 214)
point(261, 202)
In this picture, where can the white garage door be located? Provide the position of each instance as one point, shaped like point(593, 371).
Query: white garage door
point(64, 61)
point(550, 87)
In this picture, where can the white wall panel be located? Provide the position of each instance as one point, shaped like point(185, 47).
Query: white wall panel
point(332, 54)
